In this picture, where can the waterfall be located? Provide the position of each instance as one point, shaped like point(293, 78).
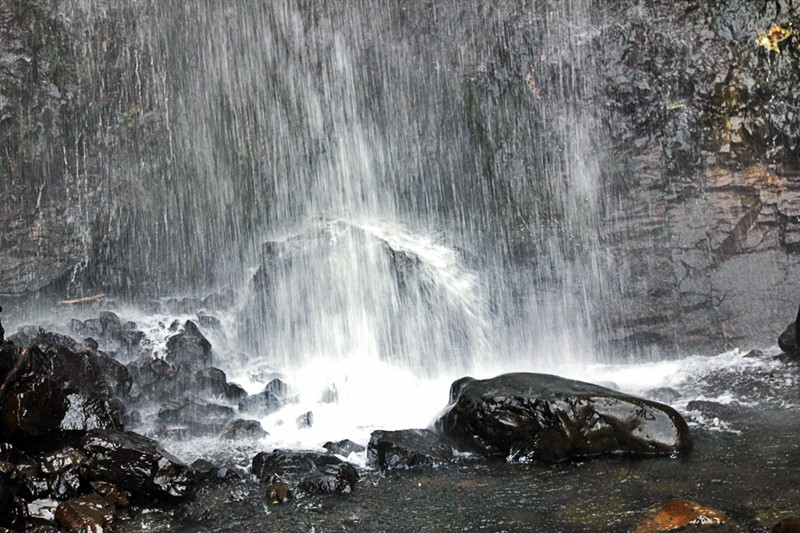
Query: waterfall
point(418, 183)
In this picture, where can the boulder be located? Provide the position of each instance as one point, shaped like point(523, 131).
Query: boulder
point(42, 510)
point(84, 413)
point(7, 490)
point(341, 478)
point(243, 429)
point(262, 403)
point(87, 514)
point(211, 380)
point(62, 469)
point(278, 388)
point(189, 347)
point(306, 420)
point(200, 416)
point(278, 492)
point(268, 466)
point(539, 416)
point(33, 406)
point(111, 492)
point(343, 447)
point(407, 448)
point(136, 464)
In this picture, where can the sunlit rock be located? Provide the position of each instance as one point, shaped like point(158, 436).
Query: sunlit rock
point(407, 448)
point(676, 514)
point(526, 416)
point(87, 514)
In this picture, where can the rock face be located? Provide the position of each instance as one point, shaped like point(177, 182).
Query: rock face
point(136, 464)
point(538, 416)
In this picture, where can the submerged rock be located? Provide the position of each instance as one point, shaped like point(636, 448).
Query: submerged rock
point(679, 513)
point(539, 416)
point(243, 429)
point(136, 464)
point(343, 447)
point(340, 478)
point(407, 448)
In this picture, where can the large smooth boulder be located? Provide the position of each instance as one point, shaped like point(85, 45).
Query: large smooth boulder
point(136, 464)
point(407, 448)
point(539, 416)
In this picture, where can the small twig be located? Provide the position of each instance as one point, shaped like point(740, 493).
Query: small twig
point(85, 299)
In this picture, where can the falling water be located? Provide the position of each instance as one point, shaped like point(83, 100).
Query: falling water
point(395, 192)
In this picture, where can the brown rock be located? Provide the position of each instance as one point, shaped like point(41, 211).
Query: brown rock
point(111, 492)
point(88, 514)
point(788, 525)
point(278, 492)
point(678, 513)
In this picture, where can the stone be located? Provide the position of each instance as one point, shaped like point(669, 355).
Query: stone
point(211, 380)
point(262, 403)
point(788, 339)
point(306, 420)
point(234, 392)
point(268, 466)
point(243, 429)
point(189, 347)
point(341, 478)
point(33, 406)
point(343, 447)
point(111, 492)
point(43, 509)
point(715, 409)
point(86, 514)
point(527, 416)
point(679, 513)
point(407, 448)
point(787, 525)
point(278, 493)
point(62, 470)
point(200, 416)
point(136, 464)
point(278, 388)
point(84, 413)
point(7, 491)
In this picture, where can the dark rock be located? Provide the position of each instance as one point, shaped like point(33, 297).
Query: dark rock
point(199, 415)
point(244, 429)
point(234, 392)
point(84, 413)
point(157, 380)
point(263, 403)
point(715, 409)
point(787, 525)
point(788, 339)
point(278, 492)
point(278, 388)
point(279, 463)
point(343, 447)
point(33, 483)
point(340, 478)
point(212, 380)
point(205, 470)
point(62, 469)
point(136, 464)
point(407, 448)
point(7, 491)
point(84, 371)
point(306, 420)
point(539, 416)
point(90, 513)
point(111, 492)
point(189, 347)
point(33, 406)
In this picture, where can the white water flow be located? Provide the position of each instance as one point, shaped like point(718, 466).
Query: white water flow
point(396, 203)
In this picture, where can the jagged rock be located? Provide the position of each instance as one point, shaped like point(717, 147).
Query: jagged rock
point(407, 448)
point(343, 447)
point(85, 413)
point(33, 406)
point(679, 513)
point(279, 463)
point(62, 470)
point(84, 371)
point(211, 380)
point(189, 347)
point(278, 492)
point(158, 381)
point(33, 483)
point(539, 416)
point(234, 392)
point(788, 339)
point(340, 478)
point(306, 420)
point(243, 429)
point(136, 464)
point(262, 403)
point(197, 414)
point(43, 509)
point(87, 514)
